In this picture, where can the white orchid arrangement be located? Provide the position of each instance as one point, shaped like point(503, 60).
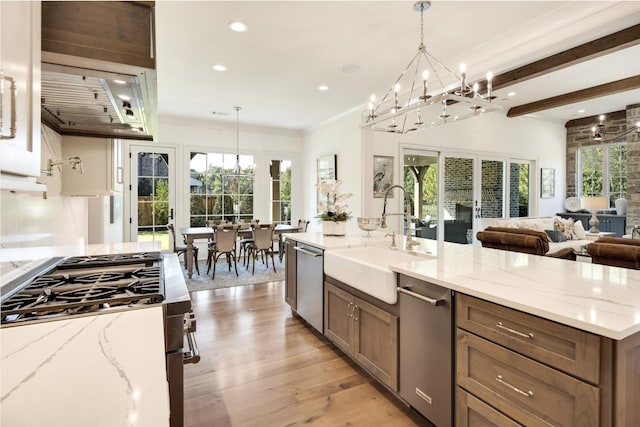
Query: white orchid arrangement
point(333, 207)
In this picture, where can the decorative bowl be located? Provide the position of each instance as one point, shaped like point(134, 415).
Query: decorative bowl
point(368, 224)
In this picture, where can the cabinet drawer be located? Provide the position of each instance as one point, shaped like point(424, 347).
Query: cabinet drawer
point(568, 349)
point(527, 391)
point(473, 412)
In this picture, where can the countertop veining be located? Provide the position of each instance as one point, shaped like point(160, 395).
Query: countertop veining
point(595, 298)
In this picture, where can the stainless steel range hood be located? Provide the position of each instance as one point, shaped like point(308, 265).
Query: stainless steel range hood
point(87, 102)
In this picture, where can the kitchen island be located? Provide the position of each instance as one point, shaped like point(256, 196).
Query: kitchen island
point(594, 308)
point(103, 368)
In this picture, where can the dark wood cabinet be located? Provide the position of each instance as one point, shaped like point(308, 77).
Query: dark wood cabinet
point(608, 222)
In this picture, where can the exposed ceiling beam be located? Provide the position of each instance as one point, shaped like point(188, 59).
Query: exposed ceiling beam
point(584, 52)
point(591, 120)
point(623, 85)
point(590, 50)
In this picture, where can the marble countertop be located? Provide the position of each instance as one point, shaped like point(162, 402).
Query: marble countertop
point(106, 370)
point(595, 298)
point(100, 370)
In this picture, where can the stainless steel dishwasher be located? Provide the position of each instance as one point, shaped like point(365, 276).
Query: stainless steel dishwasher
point(426, 349)
point(309, 279)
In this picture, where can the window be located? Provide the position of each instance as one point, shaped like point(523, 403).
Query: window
point(280, 173)
point(603, 171)
point(218, 193)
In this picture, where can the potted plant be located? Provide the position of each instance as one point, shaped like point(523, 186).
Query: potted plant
point(333, 209)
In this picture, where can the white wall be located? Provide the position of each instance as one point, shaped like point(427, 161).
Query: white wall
point(29, 220)
point(493, 135)
point(342, 137)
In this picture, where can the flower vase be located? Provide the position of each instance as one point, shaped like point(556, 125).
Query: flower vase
point(334, 228)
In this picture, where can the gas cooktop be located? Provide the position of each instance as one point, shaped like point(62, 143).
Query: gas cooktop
point(84, 284)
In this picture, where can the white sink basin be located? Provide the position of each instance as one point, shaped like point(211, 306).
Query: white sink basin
point(367, 269)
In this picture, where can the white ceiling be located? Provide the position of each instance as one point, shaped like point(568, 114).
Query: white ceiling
point(359, 47)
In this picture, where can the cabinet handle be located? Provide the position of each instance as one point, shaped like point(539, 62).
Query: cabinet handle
point(514, 388)
point(513, 331)
point(434, 302)
point(356, 312)
point(13, 89)
point(349, 310)
point(304, 251)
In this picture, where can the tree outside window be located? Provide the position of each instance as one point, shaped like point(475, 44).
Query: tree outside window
point(216, 192)
point(603, 171)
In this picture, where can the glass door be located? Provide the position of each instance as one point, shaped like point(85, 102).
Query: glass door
point(519, 188)
point(152, 194)
point(460, 206)
point(421, 183)
point(492, 188)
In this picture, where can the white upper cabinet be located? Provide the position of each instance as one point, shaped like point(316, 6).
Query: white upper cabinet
point(20, 78)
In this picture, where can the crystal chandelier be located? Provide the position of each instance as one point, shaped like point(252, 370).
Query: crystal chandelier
point(392, 112)
point(599, 131)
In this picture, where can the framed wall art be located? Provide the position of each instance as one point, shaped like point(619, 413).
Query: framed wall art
point(547, 183)
point(327, 168)
point(382, 175)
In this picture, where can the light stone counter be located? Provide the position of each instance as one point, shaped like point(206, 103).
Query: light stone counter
point(595, 298)
point(106, 370)
point(98, 370)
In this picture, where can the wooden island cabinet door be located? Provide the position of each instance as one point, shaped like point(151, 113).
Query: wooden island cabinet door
point(338, 317)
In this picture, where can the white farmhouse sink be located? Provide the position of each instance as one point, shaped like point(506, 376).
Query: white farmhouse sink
point(367, 269)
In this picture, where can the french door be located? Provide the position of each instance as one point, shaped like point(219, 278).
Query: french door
point(153, 201)
point(455, 194)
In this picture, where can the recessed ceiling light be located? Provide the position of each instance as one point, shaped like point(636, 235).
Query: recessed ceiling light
point(323, 87)
point(237, 26)
point(124, 97)
point(511, 94)
point(120, 82)
point(580, 111)
point(219, 67)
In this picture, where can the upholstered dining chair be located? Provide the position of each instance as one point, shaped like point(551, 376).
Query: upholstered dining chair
point(262, 244)
point(224, 237)
point(183, 249)
point(245, 242)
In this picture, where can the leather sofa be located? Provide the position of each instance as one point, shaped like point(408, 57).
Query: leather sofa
point(615, 251)
point(521, 240)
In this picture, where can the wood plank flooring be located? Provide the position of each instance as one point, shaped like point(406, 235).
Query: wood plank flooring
point(261, 366)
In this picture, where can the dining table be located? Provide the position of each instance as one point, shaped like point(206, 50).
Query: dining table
point(192, 234)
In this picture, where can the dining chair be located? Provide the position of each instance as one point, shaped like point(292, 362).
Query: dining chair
point(262, 244)
point(245, 242)
point(224, 237)
point(302, 225)
point(183, 249)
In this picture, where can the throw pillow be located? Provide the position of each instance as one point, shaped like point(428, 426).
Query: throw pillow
point(556, 236)
point(565, 226)
point(579, 230)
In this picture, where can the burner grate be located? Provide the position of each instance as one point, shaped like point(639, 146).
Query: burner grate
point(83, 290)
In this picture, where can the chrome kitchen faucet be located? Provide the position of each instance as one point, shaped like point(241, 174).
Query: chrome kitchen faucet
point(383, 223)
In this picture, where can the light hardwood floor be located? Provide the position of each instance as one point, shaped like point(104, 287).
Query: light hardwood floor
point(261, 366)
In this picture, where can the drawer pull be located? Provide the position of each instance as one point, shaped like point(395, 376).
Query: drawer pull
point(514, 388)
point(513, 331)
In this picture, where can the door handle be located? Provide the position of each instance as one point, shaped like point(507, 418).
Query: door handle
point(171, 213)
point(13, 89)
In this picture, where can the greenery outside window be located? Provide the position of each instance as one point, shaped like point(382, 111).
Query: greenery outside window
point(216, 193)
point(602, 171)
point(280, 173)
